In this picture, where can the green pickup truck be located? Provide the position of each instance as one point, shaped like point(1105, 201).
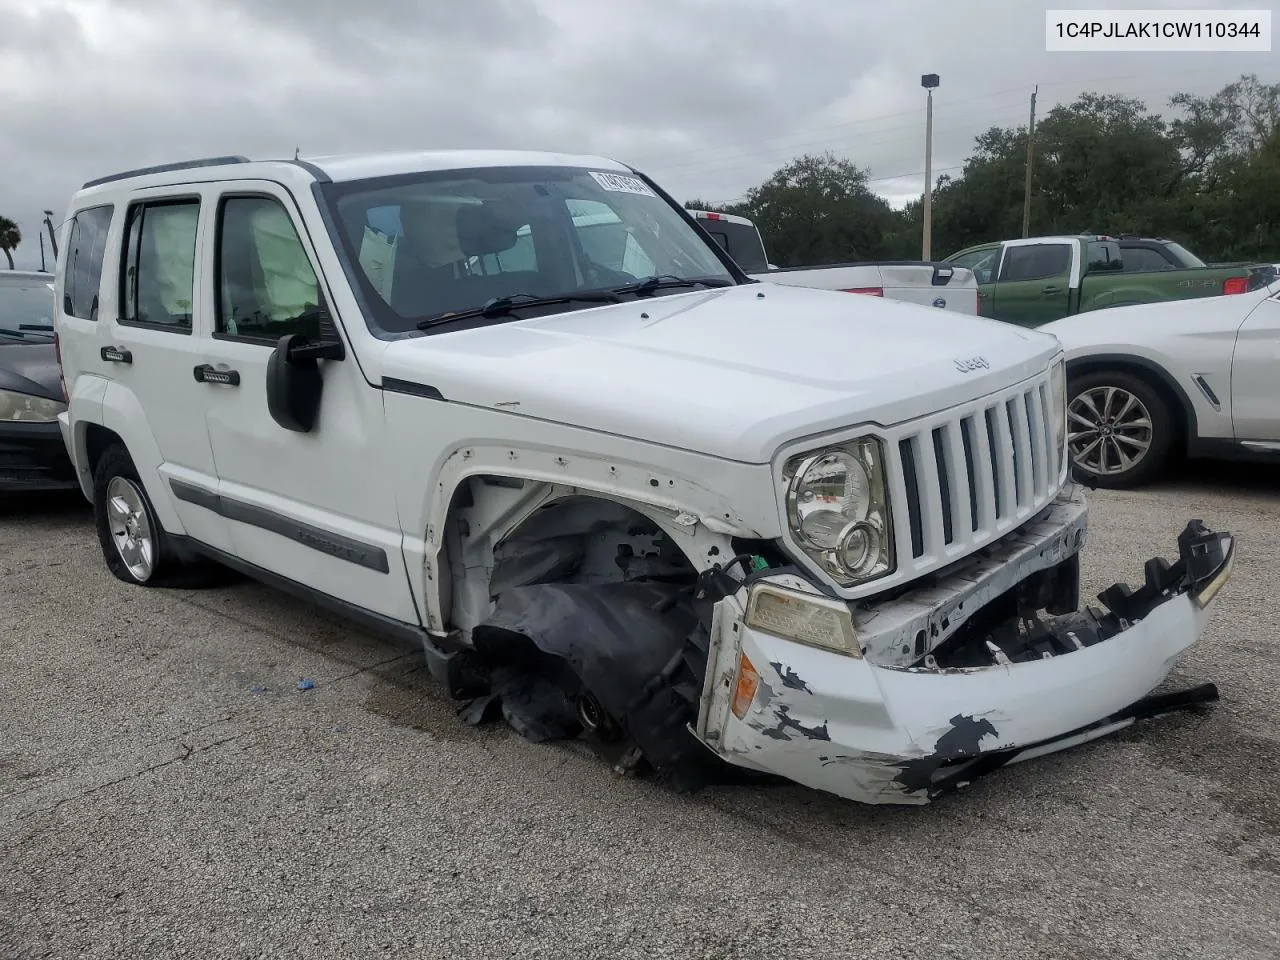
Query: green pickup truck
point(1042, 279)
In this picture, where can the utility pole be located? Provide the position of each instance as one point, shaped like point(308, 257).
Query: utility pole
point(929, 81)
point(43, 268)
point(1031, 143)
point(53, 240)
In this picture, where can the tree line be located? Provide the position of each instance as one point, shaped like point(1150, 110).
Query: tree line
point(1208, 176)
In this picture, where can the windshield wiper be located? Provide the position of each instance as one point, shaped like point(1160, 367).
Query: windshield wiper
point(650, 285)
point(502, 306)
point(26, 330)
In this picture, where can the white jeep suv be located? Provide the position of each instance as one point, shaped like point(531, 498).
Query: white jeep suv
point(521, 408)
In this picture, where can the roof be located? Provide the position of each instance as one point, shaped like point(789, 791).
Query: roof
point(339, 167)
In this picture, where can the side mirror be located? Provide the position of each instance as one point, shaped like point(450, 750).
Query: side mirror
point(294, 381)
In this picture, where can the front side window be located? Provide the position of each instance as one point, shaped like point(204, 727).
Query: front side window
point(428, 244)
point(158, 275)
point(86, 246)
point(1037, 261)
point(266, 285)
point(979, 261)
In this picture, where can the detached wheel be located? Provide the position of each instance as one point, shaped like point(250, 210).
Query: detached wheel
point(1120, 430)
point(134, 544)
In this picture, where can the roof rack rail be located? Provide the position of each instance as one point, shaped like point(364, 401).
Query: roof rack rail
point(166, 168)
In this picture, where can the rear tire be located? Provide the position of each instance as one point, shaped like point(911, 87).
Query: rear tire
point(1121, 430)
point(134, 544)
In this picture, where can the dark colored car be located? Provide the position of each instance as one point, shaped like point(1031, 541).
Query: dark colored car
point(32, 454)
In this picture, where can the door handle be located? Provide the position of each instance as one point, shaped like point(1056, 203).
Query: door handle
point(1051, 289)
point(207, 373)
point(116, 355)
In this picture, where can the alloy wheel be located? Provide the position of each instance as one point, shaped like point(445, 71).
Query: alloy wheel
point(1109, 430)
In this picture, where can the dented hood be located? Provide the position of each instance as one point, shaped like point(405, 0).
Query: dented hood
point(735, 372)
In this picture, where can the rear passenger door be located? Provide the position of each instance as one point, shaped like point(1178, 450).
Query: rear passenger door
point(153, 343)
point(317, 507)
point(1034, 283)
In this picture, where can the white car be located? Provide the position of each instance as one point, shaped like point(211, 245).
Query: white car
point(613, 487)
point(1150, 382)
point(942, 285)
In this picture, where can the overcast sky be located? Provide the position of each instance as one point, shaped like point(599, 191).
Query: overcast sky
point(708, 96)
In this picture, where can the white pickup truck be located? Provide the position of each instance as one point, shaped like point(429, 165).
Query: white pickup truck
point(517, 408)
point(943, 285)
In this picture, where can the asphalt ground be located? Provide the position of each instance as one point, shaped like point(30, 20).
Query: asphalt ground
point(166, 790)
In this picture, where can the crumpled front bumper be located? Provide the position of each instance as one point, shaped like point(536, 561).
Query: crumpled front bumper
point(888, 734)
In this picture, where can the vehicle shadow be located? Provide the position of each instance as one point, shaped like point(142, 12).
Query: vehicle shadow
point(1221, 477)
point(66, 505)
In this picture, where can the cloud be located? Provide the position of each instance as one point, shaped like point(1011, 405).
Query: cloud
point(709, 96)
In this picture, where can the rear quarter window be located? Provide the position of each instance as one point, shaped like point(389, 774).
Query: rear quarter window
point(82, 267)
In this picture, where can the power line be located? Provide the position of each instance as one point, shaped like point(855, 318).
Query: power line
point(1022, 90)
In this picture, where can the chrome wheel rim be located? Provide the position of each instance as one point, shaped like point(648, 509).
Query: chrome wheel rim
point(130, 528)
point(1109, 430)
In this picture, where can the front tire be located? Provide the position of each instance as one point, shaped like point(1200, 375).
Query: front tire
point(134, 544)
point(1120, 430)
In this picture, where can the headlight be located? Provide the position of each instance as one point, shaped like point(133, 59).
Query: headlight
point(23, 406)
point(838, 511)
point(1058, 398)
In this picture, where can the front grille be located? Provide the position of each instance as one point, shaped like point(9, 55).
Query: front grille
point(964, 477)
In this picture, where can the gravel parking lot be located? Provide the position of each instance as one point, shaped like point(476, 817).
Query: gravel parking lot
point(167, 790)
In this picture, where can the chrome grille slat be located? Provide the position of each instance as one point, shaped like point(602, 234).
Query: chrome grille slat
point(930, 496)
point(1035, 426)
point(1005, 457)
point(984, 480)
point(963, 477)
point(959, 469)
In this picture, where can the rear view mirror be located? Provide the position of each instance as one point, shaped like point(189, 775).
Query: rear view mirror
point(294, 380)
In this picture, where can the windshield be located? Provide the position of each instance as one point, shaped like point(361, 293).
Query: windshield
point(1183, 255)
point(27, 303)
point(427, 244)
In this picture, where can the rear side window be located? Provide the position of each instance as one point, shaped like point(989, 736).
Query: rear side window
point(1037, 261)
point(266, 285)
point(158, 271)
point(86, 246)
point(1144, 260)
point(741, 241)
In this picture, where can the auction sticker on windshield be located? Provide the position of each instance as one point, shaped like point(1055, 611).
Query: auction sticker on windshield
point(617, 183)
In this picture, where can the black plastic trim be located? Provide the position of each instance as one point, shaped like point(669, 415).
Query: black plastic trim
point(311, 168)
point(166, 168)
point(334, 544)
point(394, 385)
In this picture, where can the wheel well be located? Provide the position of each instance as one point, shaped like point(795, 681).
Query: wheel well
point(502, 533)
point(1184, 415)
point(97, 439)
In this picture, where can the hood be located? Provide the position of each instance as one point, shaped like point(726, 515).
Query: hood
point(30, 367)
point(735, 372)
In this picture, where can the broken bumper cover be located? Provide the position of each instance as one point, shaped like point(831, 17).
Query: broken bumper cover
point(881, 734)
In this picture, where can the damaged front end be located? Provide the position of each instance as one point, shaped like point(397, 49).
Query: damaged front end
point(746, 669)
point(1009, 682)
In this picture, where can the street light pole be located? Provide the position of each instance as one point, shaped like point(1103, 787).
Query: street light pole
point(929, 81)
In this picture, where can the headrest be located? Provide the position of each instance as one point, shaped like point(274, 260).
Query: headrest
point(482, 231)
